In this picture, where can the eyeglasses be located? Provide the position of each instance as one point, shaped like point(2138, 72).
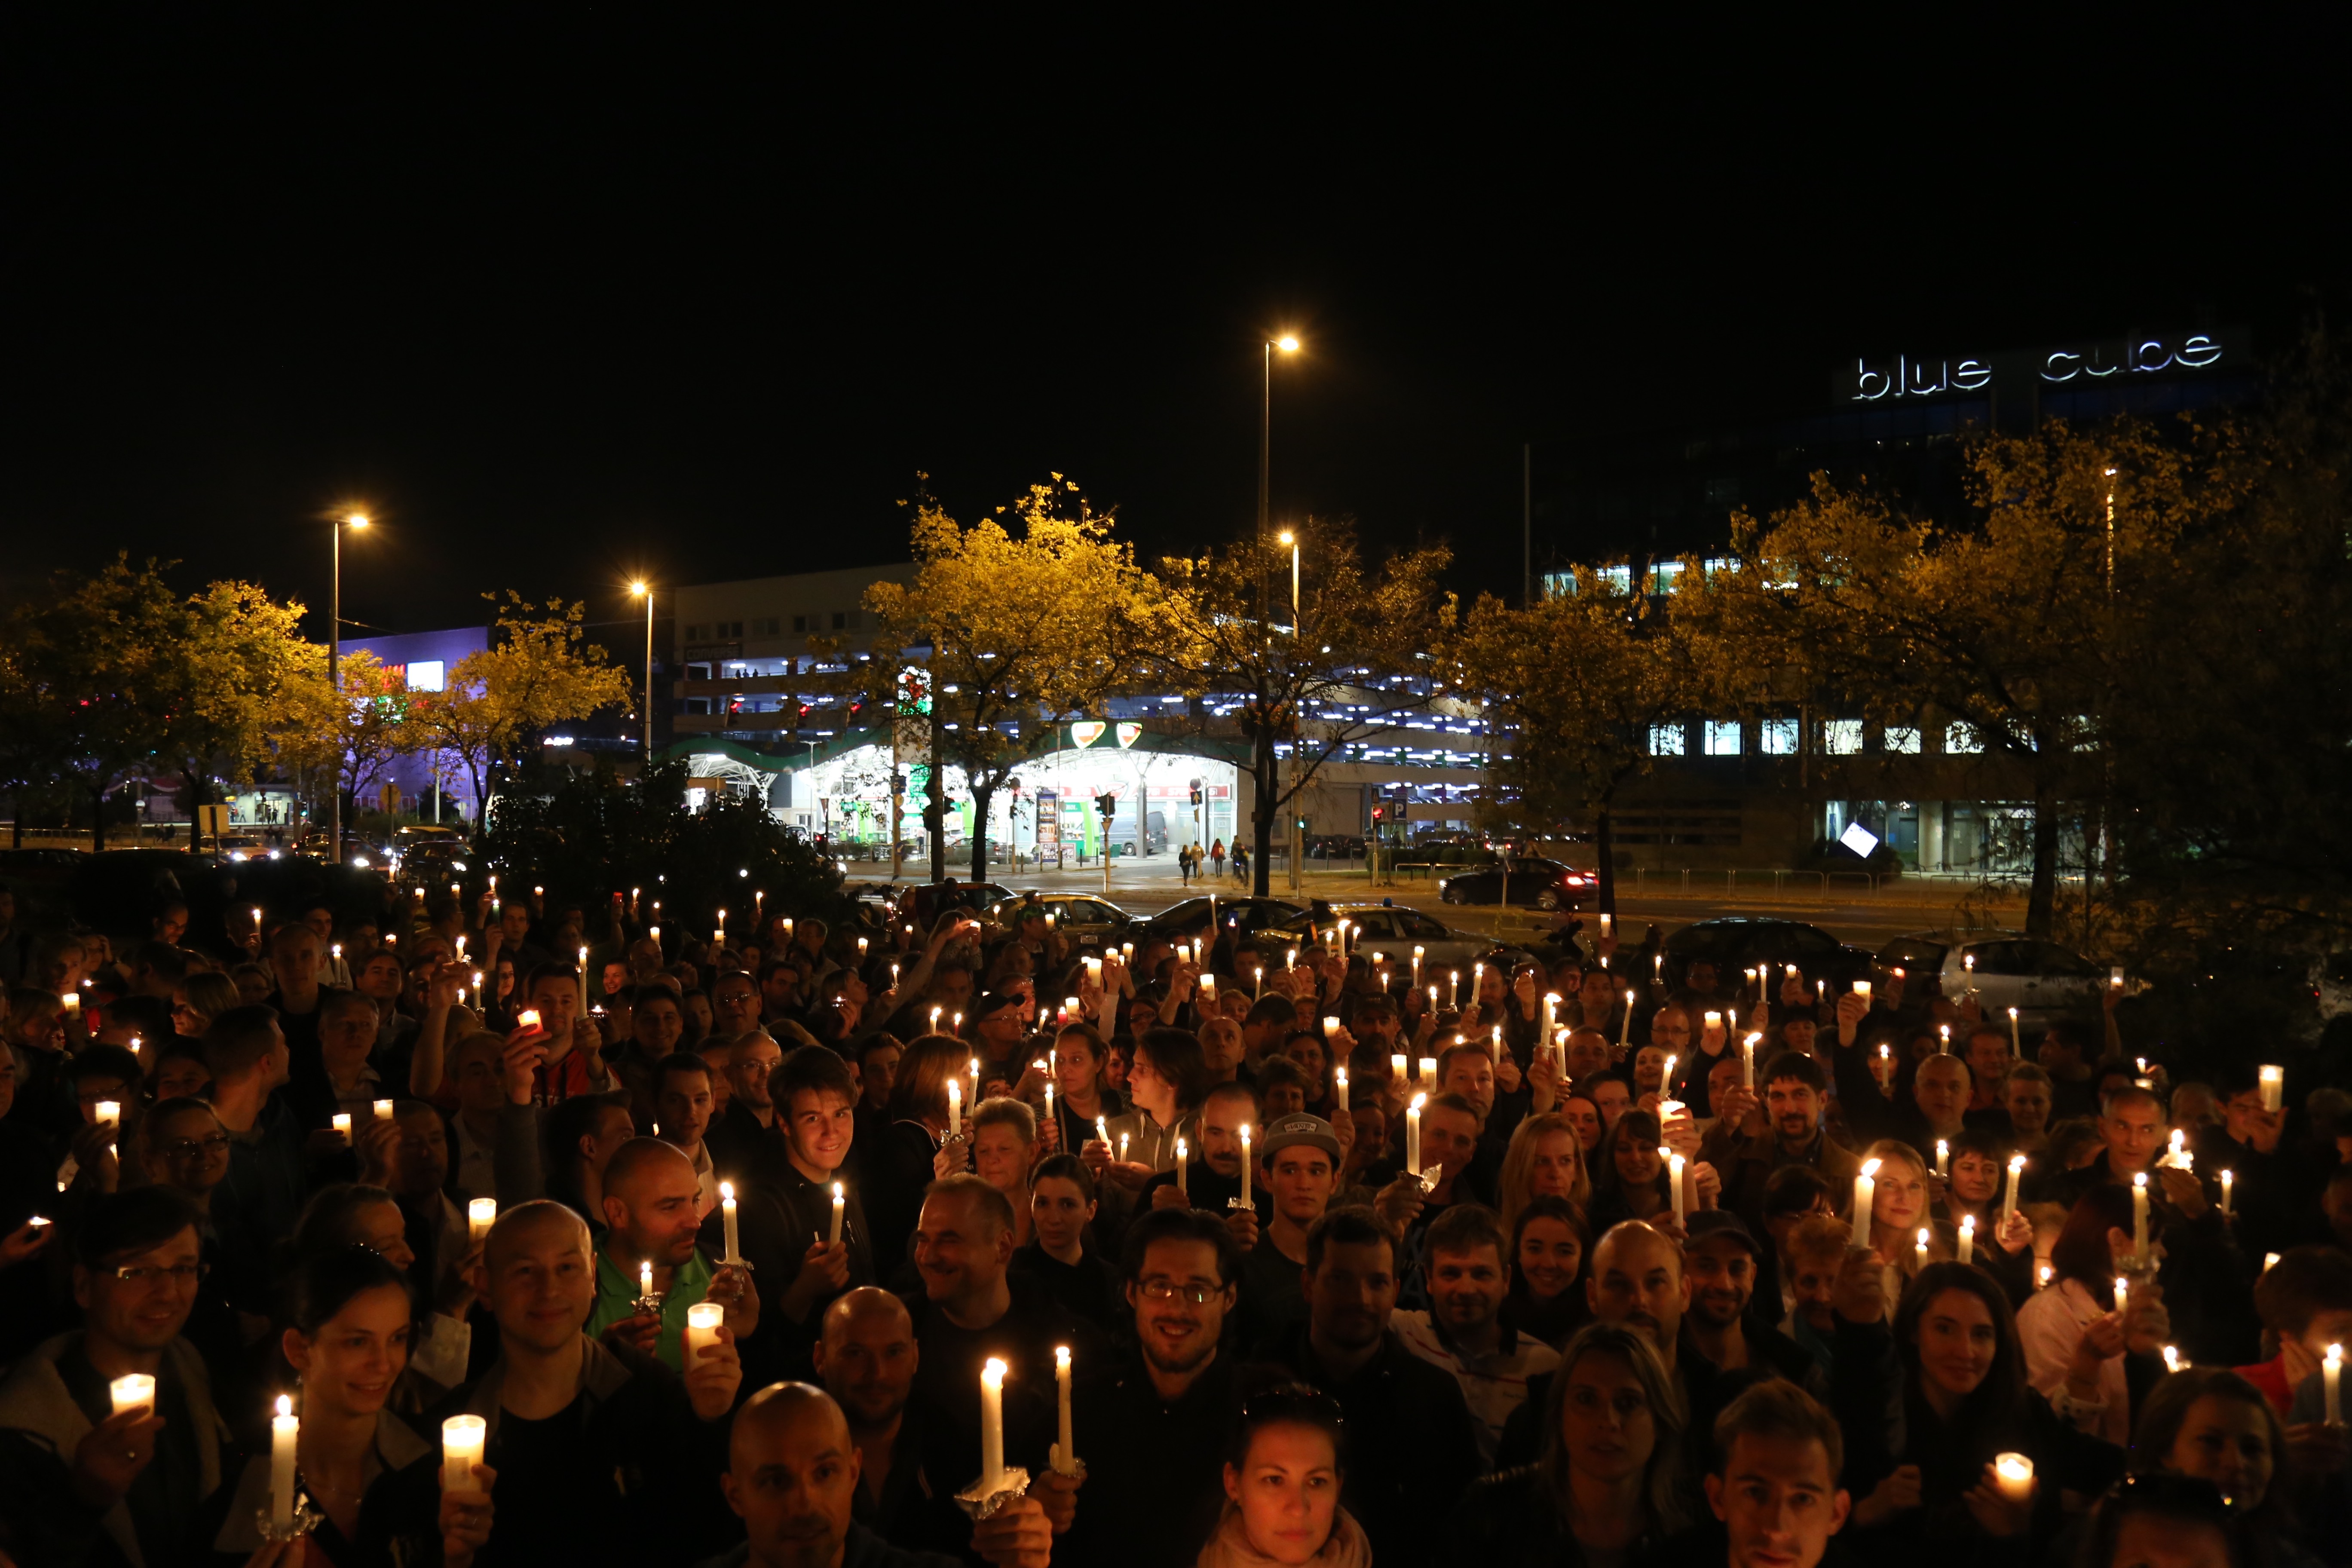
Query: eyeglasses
point(185, 1148)
point(146, 1274)
point(1169, 1291)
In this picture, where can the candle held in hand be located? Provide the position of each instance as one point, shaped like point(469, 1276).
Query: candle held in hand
point(727, 1219)
point(1412, 1135)
point(1866, 1188)
point(702, 1320)
point(132, 1391)
point(1182, 1154)
point(285, 1433)
point(1339, 1086)
point(1065, 1452)
point(840, 1203)
point(2331, 1372)
point(384, 1109)
point(342, 1120)
point(2013, 1473)
point(1967, 1239)
point(1245, 1166)
point(463, 1438)
point(992, 1427)
point(526, 1019)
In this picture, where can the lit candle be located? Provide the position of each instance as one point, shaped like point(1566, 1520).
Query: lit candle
point(1885, 1072)
point(1182, 1156)
point(861, 949)
point(109, 1114)
point(1714, 1023)
point(2331, 1372)
point(1674, 1179)
point(1122, 1148)
point(840, 1201)
point(1604, 925)
point(73, 1003)
point(1454, 988)
point(1339, 1085)
point(1919, 1251)
point(2229, 1179)
point(1747, 1061)
point(2016, 1045)
point(992, 1427)
point(702, 1320)
point(384, 1110)
point(583, 981)
point(2270, 1261)
point(1865, 1187)
point(2273, 1081)
point(1049, 1099)
point(2171, 1358)
point(727, 1217)
point(1257, 983)
point(1416, 971)
point(1429, 1074)
point(463, 1438)
point(2139, 1218)
point(1065, 1452)
point(1943, 1158)
point(1102, 1131)
point(2042, 1277)
point(1967, 1239)
point(1477, 981)
point(1412, 1135)
point(480, 1214)
point(1862, 989)
point(284, 1432)
point(955, 1109)
point(132, 1391)
point(2008, 1200)
point(342, 1120)
point(527, 1019)
point(1397, 1070)
point(2013, 1473)
point(646, 1279)
point(2123, 1295)
point(1943, 1039)
point(1433, 1001)
point(1625, 1027)
point(1551, 1007)
point(1245, 1166)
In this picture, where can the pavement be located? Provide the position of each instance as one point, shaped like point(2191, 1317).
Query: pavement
point(1863, 919)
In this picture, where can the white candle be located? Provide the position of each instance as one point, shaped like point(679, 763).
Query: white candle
point(1245, 1166)
point(463, 1437)
point(2016, 1045)
point(1625, 1027)
point(2009, 1200)
point(646, 1279)
point(1747, 1061)
point(840, 1201)
point(342, 1126)
point(1943, 1158)
point(1339, 1085)
point(2172, 1358)
point(991, 1427)
point(1943, 1039)
point(1885, 1072)
point(1397, 1070)
point(1412, 1135)
point(1862, 989)
point(1257, 983)
point(383, 1110)
point(955, 1109)
point(1865, 1187)
point(702, 1320)
point(1667, 1083)
point(1551, 1007)
point(480, 1214)
point(727, 1217)
point(2013, 1473)
point(2123, 1295)
point(1416, 969)
point(2331, 1372)
point(132, 1391)
point(1919, 1250)
point(285, 1430)
point(1066, 1453)
point(73, 1003)
point(2270, 1261)
point(1967, 1239)
point(1330, 1027)
point(2229, 1179)
point(2139, 1218)
point(2274, 1082)
point(583, 981)
point(1182, 1156)
point(1604, 925)
point(1429, 1073)
point(1122, 1148)
point(1674, 1179)
point(1454, 988)
point(1049, 1099)
point(2042, 1277)
point(1477, 981)
point(1713, 1022)
point(1102, 1131)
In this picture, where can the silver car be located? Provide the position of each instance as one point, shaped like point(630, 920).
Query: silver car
point(2041, 979)
point(1396, 932)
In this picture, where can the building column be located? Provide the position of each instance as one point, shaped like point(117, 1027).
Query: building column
point(1931, 836)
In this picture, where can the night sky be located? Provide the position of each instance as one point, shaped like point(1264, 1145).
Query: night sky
point(562, 306)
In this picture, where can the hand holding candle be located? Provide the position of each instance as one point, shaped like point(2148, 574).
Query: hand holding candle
point(727, 1219)
point(702, 1320)
point(1065, 1452)
point(285, 1434)
point(463, 1438)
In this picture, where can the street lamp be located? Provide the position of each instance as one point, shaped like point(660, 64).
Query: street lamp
point(1292, 539)
point(646, 591)
point(335, 676)
point(1289, 343)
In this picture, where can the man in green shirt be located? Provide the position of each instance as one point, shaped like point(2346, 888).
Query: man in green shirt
point(649, 1205)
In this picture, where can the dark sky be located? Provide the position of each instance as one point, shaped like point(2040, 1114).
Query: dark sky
point(562, 305)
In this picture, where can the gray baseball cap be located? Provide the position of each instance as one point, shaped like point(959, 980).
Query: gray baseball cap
point(1312, 1131)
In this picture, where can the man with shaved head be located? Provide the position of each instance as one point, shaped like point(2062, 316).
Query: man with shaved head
point(603, 1454)
point(650, 1212)
point(793, 1474)
point(867, 1357)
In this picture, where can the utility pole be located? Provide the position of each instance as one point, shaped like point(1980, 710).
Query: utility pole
point(1527, 525)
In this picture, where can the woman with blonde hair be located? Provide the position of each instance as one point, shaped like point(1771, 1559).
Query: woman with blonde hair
point(1545, 1159)
point(1608, 1485)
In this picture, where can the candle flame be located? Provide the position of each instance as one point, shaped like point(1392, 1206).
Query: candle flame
point(284, 1404)
point(727, 1191)
point(1870, 1167)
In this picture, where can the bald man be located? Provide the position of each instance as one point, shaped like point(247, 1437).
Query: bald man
point(649, 1201)
point(793, 1474)
point(603, 1454)
point(866, 1356)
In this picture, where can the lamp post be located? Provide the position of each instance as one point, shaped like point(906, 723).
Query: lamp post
point(335, 679)
point(646, 591)
point(1287, 343)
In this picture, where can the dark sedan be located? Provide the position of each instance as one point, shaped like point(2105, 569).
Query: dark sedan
point(1734, 942)
point(1537, 883)
point(1250, 915)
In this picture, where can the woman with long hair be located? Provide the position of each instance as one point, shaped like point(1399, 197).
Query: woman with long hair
point(1925, 1481)
point(2210, 1423)
point(1283, 1470)
point(1545, 1159)
point(199, 999)
point(1549, 1243)
point(1081, 1095)
point(915, 1150)
point(353, 1214)
point(376, 1484)
point(1608, 1485)
point(1633, 1179)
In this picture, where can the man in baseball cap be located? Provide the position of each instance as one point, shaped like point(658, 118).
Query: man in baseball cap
point(1719, 1337)
point(1301, 1156)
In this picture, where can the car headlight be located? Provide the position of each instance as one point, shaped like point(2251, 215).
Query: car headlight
point(459, 865)
point(359, 860)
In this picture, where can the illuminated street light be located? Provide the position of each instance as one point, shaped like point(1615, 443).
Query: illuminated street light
point(334, 669)
point(644, 590)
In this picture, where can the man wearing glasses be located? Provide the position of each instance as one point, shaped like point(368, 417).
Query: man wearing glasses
point(1151, 1426)
point(84, 1483)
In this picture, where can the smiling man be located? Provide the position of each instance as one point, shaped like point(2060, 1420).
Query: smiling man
point(1463, 1333)
point(1774, 1480)
point(1796, 1093)
point(649, 1199)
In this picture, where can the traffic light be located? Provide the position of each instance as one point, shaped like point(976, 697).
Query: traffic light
point(1106, 804)
point(1196, 795)
point(1379, 812)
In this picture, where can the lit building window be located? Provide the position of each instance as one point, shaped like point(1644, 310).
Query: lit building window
point(1560, 584)
point(1617, 579)
point(1723, 737)
point(1777, 737)
point(1961, 740)
point(1665, 740)
point(1842, 737)
point(1902, 741)
point(1664, 576)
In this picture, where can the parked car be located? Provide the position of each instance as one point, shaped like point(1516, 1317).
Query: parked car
point(1249, 915)
point(2041, 979)
point(1542, 884)
point(1089, 921)
point(1734, 942)
point(1396, 930)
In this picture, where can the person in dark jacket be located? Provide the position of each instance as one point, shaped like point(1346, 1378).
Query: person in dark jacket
point(1401, 1490)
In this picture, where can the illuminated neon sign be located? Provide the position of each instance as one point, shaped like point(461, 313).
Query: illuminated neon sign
point(2196, 351)
point(1904, 376)
point(1918, 378)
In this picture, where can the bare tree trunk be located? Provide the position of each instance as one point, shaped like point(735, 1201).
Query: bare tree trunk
point(2040, 903)
point(981, 795)
point(1261, 818)
point(935, 810)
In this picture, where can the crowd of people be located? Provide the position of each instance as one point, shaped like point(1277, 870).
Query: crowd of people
point(482, 1230)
